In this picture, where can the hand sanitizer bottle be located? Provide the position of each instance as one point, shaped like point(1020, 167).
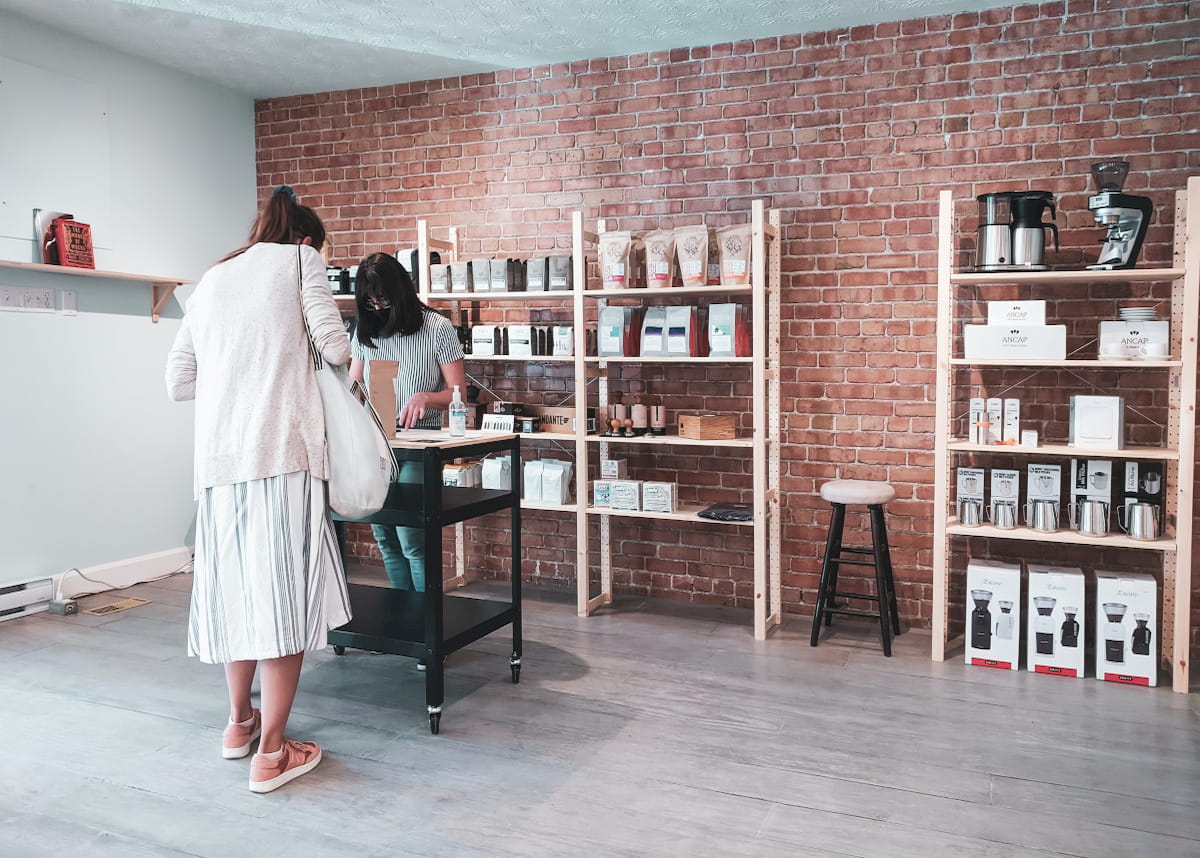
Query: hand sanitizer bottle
point(458, 415)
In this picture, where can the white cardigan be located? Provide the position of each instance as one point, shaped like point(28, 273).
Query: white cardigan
point(242, 354)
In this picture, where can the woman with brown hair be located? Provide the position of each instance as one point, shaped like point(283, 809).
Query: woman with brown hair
point(269, 581)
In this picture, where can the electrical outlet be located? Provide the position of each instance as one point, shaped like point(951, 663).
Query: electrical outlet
point(39, 300)
point(12, 298)
point(64, 607)
point(68, 305)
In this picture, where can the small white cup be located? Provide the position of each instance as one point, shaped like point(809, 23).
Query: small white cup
point(1153, 351)
point(1112, 350)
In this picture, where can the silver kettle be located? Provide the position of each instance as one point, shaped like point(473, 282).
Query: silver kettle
point(1090, 517)
point(1140, 521)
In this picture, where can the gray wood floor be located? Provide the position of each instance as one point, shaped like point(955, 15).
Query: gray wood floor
point(652, 730)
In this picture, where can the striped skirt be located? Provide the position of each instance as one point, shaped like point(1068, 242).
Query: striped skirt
point(269, 580)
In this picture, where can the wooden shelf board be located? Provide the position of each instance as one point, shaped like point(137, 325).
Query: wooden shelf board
point(1128, 275)
point(1064, 537)
point(960, 446)
point(523, 358)
point(684, 512)
point(92, 272)
point(552, 295)
point(672, 440)
point(1078, 364)
point(667, 292)
point(551, 507)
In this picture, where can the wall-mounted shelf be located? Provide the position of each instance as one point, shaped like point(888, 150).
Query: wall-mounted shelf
point(161, 288)
point(1073, 364)
point(518, 297)
point(673, 440)
point(1062, 537)
point(961, 446)
point(1128, 275)
point(648, 295)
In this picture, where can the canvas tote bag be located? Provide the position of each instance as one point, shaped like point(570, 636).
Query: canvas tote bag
point(361, 464)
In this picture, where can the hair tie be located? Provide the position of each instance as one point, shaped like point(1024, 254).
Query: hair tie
point(287, 189)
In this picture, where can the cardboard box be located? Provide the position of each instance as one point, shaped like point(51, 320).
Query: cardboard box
point(659, 497)
point(1127, 339)
point(1015, 342)
point(1097, 422)
point(1008, 313)
point(626, 494)
point(381, 391)
point(561, 420)
point(614, 469)
point(1057, 633)
point(995, 420)
point(1044, 482)
point(705, 427)
point(1091, 479)
point(602, 494)
point(969, 484)
point(1012, 421)
point(993, 609)
point(1126, 628)
point(1141, 482)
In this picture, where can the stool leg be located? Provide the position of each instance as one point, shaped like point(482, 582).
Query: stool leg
point(827, 585)
point(837, 525)
point(891, 579)
point(879, 546)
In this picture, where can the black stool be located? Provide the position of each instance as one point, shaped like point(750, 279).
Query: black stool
point(874, 496)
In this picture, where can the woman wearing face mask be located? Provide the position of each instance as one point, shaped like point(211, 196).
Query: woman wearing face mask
point(268, 581)
point(394, 325)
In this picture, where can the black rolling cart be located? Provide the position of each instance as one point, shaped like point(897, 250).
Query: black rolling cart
point(431, 625)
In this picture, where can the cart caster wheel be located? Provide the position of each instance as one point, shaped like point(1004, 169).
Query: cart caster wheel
point(435, 722)
point(339, 650)
point(514, 664)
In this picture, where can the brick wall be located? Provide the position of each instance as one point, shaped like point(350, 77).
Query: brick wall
point(851, 133)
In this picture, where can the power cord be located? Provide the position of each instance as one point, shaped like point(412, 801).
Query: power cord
point(59, 596)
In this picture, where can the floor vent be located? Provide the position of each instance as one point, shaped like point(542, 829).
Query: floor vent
point(121, 605)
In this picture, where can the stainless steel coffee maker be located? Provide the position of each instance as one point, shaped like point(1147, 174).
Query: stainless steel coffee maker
point(993, 249)
point(1011, 234)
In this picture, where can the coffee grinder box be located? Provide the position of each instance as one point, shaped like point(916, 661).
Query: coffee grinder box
point(1126, 627)
point(1057, 633)
point(993, 622)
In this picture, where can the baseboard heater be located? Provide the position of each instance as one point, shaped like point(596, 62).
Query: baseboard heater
point(28, 597)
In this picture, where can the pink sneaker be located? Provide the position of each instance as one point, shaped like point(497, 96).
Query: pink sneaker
point(298, 758)
point(238, 739)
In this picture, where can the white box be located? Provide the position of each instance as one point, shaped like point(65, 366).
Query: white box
point(1057, 633)
point(978, 413)
point(969, 484)
point(1006, 485)
point(1016, 312)
point(1126, 339)
point(1097, 422)
point(659, 497)
point(602, 494)
point(614, 469)
point(1044, 482)
point(1092, 479)
point(1015, 342)
point(993, 629)
point(995, 416)
point(626, 494)
point(1126, 628)
point(1012, 421)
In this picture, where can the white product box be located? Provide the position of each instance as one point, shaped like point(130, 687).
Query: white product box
point(995, 416)
point(614, 469)
point(602, 494)
point(626, 494)
point(969, 484)
point(1029, 438)
point(1126, 628)
point(1015, 342)
point(1092, 479)
point(978, 414)
point(1097, 422)
point(659, 497)
point(1044, 482)
point(1012, 421)
point(1133, 339)
point(1006, 485)
point(993, 629)
point(1057, 633)
point(1016, 312)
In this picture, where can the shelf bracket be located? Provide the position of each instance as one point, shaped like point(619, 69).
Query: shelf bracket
point(160, 294)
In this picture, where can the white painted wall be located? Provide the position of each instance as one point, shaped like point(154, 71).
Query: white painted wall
point(95, 462)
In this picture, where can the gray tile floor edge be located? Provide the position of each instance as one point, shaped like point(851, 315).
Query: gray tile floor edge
point(646, 730)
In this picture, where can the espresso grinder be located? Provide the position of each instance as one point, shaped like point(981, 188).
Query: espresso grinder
point(981, 620)
point(1126, 216)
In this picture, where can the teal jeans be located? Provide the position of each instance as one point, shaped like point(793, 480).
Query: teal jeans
point(403, 548)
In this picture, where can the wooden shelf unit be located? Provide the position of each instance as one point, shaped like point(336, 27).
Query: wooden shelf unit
point(763, 372)
point(1179, 451)
point(161, 288)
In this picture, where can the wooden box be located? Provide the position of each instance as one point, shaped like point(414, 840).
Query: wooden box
point(707, 427)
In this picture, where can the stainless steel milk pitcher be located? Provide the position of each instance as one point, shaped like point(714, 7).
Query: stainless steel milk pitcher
point(1143, 521)
point(1042, 514)
point(1089, 517)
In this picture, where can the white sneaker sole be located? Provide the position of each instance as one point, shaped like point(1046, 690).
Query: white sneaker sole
point(290, 775)
point(238, 753)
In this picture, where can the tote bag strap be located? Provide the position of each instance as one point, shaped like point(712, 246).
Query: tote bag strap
point(313, 351)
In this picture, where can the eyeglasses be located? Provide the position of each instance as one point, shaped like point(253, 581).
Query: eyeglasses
point(375, 303)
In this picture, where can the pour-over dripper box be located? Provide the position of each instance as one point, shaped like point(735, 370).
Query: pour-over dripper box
point(993, 629)
point(1057, 622)
point(1126, 627)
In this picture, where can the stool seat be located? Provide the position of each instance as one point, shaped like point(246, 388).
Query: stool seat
point(865, 492)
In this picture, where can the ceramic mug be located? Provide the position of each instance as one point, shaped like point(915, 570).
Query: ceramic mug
point(1152, 351)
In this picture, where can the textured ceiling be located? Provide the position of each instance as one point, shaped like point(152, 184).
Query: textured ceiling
point(283, 47)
